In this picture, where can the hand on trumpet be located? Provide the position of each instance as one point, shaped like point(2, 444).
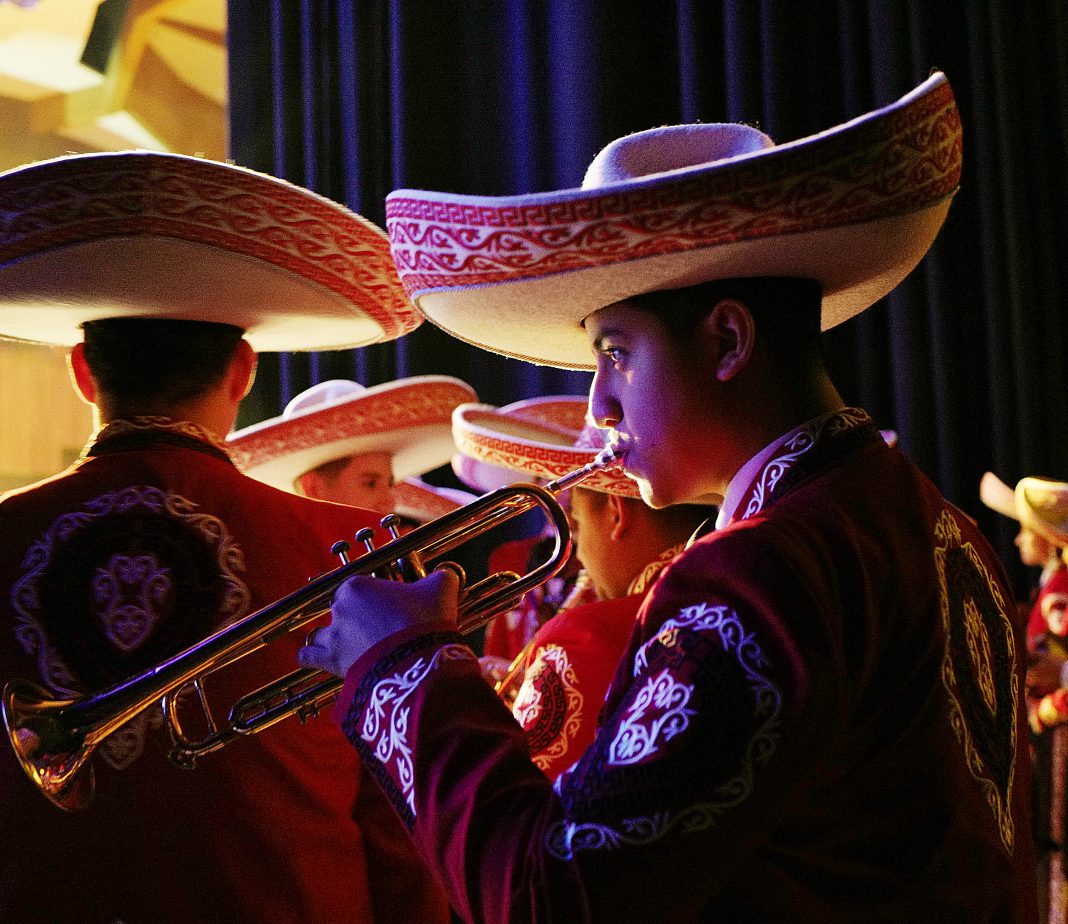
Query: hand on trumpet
point(366, 610)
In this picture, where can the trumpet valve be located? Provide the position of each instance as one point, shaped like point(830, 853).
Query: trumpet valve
point(341, 549)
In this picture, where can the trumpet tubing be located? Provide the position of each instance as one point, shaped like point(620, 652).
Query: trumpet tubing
point(54, 739)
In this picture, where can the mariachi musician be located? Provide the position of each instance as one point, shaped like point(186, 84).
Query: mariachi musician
point(621, 544)
point(164, 274)
point(340, 441)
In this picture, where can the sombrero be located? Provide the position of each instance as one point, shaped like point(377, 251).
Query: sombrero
point(140, 233)
point(855, 207)
point(1042, 506)
point(417, 500)
point(997, 495)
point(538, 438)
point(409, 418)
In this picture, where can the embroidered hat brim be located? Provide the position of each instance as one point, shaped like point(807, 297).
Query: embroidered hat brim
point(855, 207)
point(409, 418)
point(141, 233)
point(527, 440)
point(1042, 506)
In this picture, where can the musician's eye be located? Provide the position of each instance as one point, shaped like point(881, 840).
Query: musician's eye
point(614, 354)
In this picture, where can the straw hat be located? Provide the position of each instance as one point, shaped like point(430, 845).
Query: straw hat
point(854, 207)
point(409, 418)
point(539, 438)
point(141, 233)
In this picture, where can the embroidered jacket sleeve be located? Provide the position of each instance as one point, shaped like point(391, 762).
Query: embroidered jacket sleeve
point(694, 726)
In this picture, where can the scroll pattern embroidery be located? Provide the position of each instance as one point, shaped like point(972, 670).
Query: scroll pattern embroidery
point(795, 448)
point(904, 160)
point(659, 711)
point(978, 668)
point(385, 721)
point(549, 705)
point(125, 624)
point(566, 838)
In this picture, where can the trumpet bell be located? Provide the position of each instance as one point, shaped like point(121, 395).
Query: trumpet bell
point(51, 754)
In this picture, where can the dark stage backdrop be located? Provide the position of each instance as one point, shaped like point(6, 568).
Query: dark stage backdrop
point(964, 360)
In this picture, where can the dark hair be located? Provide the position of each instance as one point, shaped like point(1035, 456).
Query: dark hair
point(158, 358)
point(786, 310)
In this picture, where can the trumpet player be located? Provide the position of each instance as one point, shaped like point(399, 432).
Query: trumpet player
point(817, 714)
point(164, 274)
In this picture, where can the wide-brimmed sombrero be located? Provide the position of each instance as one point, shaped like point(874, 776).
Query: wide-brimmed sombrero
point(140, 233)
point(1039, 504)
point(1042, 506)
point(997, 495)
point(417, 500)
point(409, 418)
point(540, 438)
point(855, 207)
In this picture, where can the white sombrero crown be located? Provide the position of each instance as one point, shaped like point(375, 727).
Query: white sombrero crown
point(409, 418)
point(146, 234)
point(854, 207)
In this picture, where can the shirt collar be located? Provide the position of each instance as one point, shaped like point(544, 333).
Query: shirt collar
point(148, 426)
point(738, 485)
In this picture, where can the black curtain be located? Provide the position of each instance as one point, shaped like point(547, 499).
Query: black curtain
point(354, 98)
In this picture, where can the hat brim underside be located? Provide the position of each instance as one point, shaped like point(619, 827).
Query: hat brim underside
point(46, 298)
point(540, 319)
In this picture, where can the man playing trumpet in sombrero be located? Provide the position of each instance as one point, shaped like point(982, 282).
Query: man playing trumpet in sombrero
point(817, 717)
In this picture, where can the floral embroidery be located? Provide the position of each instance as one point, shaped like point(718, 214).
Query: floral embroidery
point(651, 571)
point(565, 838)
point(659, 710)
point(385, 721)
point(129, 591)
point(978, 668)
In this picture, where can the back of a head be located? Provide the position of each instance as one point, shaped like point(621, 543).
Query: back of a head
point(166, 361)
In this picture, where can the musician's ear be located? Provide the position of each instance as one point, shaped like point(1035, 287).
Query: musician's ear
point(728, 334)
point(80, 376)
point(242, 371)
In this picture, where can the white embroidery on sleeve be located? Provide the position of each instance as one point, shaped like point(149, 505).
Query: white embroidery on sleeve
point(385, 722)
point(635, 740)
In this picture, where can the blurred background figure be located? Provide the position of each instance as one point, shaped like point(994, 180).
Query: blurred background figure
point(496, 447)
point(1040, 505)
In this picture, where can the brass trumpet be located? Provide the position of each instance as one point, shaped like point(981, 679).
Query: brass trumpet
point(55, 738)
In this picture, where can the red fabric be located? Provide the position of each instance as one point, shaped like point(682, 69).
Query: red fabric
point(794, 734)
point(261, 831)
point(1036, 620)
point(572, 661)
